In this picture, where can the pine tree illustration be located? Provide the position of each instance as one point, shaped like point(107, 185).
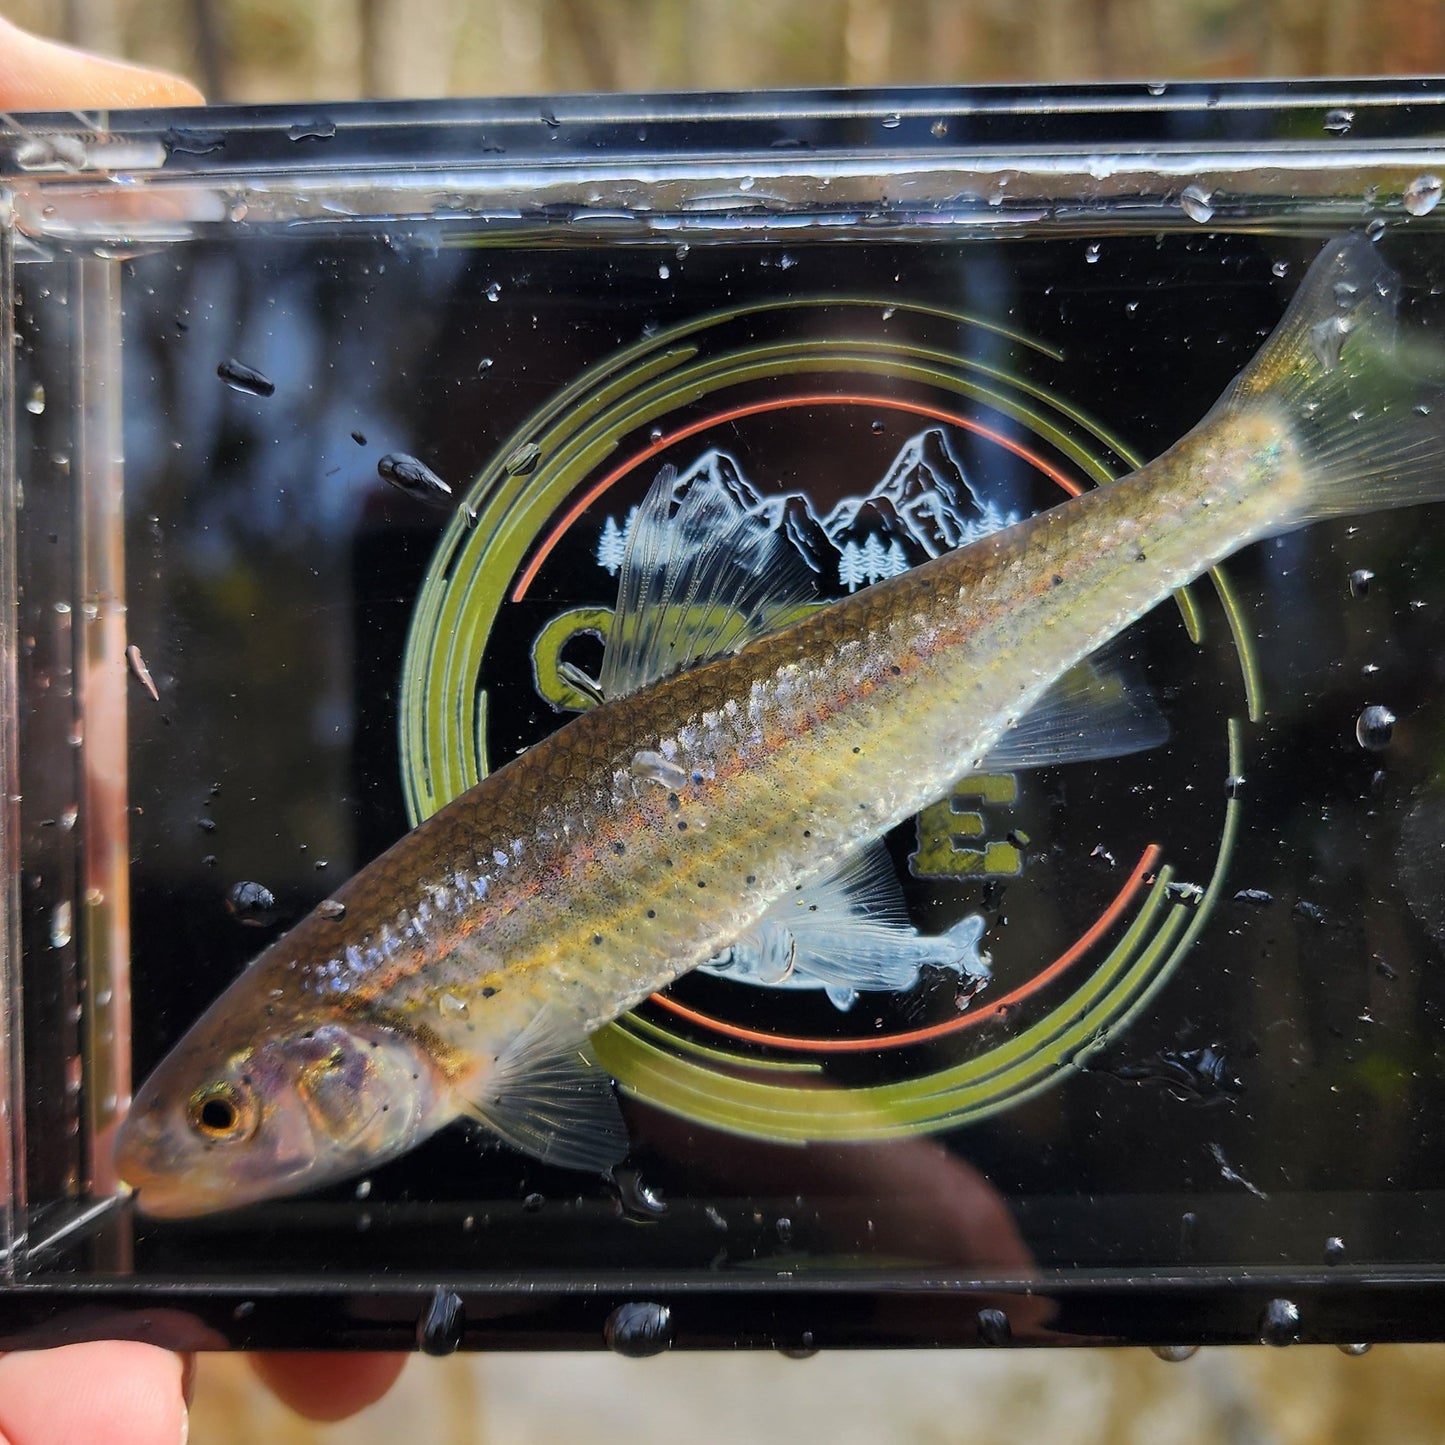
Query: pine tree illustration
point(897, 559)
point(850, 566)
point(611, 547)
point(874, 559)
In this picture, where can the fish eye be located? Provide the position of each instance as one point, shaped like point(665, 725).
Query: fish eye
point(222, 1113)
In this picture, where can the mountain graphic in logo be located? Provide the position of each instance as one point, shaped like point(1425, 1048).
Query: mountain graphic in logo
point(923, 507)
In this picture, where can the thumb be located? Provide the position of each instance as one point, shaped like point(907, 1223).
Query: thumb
point(38, 74)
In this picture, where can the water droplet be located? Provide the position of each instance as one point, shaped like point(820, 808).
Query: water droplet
point(1360, 580)
point(329, 908)
point(994, 1328)
point(1156, 87)
point(439, 1330)
point(938, 129)
point(35, 402)
point(1279, 1324)
point(1375, 229)
point(805, 1349)
point(892, 121)
point(1374, 728)
point(494, 291)
point(319, 129)
point(408, 474)
point(252, 903)
point(452, 1007)
point(60, 924)
point(523, 461)
point(1334, 1249)
point(1091, 252)
point(1354, 1349)
point(1339, 120)
point(1422, 195)
point(746, 184)
point(240, 377)
point(1175, 1354)
point(638, 1329)
point(1196, 203)
point(876, 427)
point(363, 1189)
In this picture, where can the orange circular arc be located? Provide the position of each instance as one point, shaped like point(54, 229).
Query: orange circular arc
point(1081, 945)
point(755, 408)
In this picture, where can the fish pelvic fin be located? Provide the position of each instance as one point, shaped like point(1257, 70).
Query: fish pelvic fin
point(1363, 397)
point(546, 1096)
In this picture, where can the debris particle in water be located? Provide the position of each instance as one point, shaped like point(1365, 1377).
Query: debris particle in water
point(1200, 1076)
point(240, 377)
point(359, 438)
point(1422, 195)
point(1091, 252)
point(494, 291)
point(142, 672)
point(1339, 120)
point(1196, 203)
point(1360, 580)
point(1334, 1249)
point(1279, 1324)
point(439, 1330)
point(330, 908)
point(1374, 728)
point(1233, 1176)
point(1258, 897)
point(994, 1327)
point(408, 474)
point(35, 402)
point(1310, 912)
point(252, 903)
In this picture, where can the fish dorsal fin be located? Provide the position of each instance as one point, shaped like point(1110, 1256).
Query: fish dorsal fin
point(696, 583)
point(1098, 709)
point(849, 933)
point(545, 1096)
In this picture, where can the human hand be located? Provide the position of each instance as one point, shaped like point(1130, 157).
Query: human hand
point(120, 1392)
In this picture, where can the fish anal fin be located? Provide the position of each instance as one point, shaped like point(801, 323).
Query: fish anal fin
point(1099, 709)
point(545, 1096)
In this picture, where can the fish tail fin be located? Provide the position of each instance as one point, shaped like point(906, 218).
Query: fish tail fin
point(1364, 396)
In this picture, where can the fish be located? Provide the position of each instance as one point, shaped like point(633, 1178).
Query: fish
point(744, 751)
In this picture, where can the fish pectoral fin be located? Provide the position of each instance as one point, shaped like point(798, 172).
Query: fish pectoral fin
point(1099, 709)
point(696, 582)
point(550, 1100)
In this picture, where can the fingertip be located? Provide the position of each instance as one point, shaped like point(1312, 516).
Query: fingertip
point(38, 74)
point(327, 1386)
point(118, 1391)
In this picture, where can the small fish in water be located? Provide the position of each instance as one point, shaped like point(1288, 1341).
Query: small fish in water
point(739, 760)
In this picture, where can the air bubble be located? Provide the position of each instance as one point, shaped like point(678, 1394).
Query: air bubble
point(240, 377)
point(1334, 1249)
point(893, 121)
point(252, 903)
point(320, 129)
point(1422, 195)
point(60, 924)
point(1280, 268)
point(664, 272)
point(330, 908)
point(523, 461)
point(408, 474)
point(652, 767)
point(35, 402)
point(1196, 203)
point(994, 1327)
point(1339, 121)
point(1374, 728)
point(1354, 1349)
point(638, 1329)
point(1360, 580)
point(1091, 252)
point(494, 291)
point(938, 129)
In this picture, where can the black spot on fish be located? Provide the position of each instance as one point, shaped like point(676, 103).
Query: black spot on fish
point(488, 992)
